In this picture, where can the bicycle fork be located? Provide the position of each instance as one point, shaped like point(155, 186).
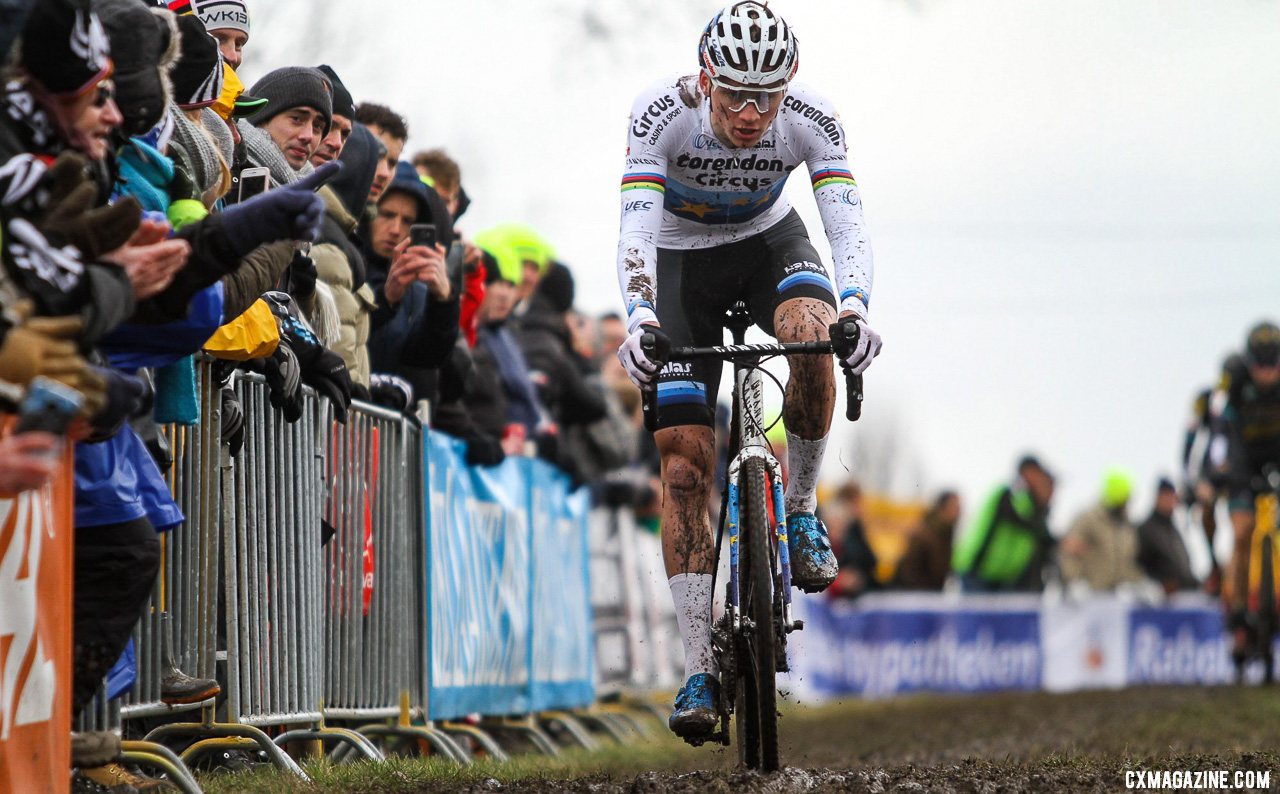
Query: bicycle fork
point(779, 534)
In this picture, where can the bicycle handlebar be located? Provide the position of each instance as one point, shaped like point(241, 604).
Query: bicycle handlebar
point(735, 353)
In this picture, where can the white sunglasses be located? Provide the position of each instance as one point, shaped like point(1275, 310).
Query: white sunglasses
point(736, 97)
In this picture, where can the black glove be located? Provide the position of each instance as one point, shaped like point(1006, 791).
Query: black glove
point(284, 379)
point(73, 216)
point(126, 397)
point(322, 369)
point(232, 420)
point(391, 391)
point(301, 276)
point(291, 212)
point(484, 450)
point(327, 374)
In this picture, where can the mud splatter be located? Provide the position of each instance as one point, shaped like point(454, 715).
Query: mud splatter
point(688, 460)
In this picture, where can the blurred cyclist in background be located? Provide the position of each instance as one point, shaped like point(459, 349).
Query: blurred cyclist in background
point(1249, 421)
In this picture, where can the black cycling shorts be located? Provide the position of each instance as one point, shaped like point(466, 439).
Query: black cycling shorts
point(698, 286)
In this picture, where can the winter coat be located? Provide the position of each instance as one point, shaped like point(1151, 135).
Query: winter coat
point(554, 369)
point(1162, 555)
point(523, 406)
point(415, 334)
point(340, 265)
point(927, 560)
point(1110, 555)
point(1006, 539)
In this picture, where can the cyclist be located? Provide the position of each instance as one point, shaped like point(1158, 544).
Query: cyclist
point(704, 224)
point(1250, 421)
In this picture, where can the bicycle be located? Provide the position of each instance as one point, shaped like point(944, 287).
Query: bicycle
point(1264, 561)
point(750, 639)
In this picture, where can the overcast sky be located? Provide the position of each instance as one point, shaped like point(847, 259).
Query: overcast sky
point(1075, 208)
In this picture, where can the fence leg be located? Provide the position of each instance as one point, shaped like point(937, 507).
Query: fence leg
point(439, 741)
point(353, 739)
point(226, 735)
point(572, 727)
point(608, 726)
point(487, 742)
point(530, 730)
point(161, 757)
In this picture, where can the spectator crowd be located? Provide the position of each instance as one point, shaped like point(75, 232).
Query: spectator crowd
point(157, 212)
point(1007, 546)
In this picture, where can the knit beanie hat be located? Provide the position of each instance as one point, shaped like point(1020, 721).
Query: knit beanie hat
point(216, 14)
point(145, 43)
point(343, 104)
point(556, 287)
point(291, 87)
point(198, 77)
point(64, 47)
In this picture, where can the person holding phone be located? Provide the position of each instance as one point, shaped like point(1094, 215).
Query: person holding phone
point(411, 282)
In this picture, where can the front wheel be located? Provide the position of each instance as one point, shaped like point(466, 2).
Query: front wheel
point(757, 701)
point(1267, 608)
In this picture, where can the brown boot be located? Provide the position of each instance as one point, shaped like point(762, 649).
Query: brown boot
point(94, 748)
point(118, 780)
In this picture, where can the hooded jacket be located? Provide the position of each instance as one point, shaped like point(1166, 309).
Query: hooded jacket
point(418, 332)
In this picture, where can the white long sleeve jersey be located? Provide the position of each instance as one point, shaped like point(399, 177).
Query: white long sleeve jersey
point(683, 189)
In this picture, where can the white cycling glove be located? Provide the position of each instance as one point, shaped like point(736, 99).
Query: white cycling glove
point(856, 357)
point(640, 368)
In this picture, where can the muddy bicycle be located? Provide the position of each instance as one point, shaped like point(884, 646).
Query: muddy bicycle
point(1263, 613)
point(750, 639)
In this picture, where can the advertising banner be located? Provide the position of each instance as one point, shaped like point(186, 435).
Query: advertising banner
point(562, 647)
point(36, 551)
point(478, 584)
point(896, 643)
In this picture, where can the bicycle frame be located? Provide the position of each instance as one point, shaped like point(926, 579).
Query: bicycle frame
point(748, 402)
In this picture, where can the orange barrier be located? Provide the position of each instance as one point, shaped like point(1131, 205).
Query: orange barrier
point(36, 552)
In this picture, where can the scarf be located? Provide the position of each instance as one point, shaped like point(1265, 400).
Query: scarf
point(262, 151)
point(218, 130)
point(210, 174)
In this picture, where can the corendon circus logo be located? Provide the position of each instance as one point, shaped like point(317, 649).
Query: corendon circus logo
point(27, 676)
point(711, 170)
point(828, 124)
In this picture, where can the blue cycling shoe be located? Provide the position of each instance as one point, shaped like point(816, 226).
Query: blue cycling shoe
point(695, 713)
point(813, 563)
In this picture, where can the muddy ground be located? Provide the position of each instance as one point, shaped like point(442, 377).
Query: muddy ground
point(999, 743)
point(1002, 743)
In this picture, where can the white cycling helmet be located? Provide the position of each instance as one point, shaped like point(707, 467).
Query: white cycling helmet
point(749, 44)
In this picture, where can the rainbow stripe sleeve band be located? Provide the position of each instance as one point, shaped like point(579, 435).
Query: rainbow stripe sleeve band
point(644, 182)
point(832, 176)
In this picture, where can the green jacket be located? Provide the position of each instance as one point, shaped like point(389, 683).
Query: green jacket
point(1003, 539)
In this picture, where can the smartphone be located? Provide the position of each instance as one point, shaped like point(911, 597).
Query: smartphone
point(253, 181)
point(423, 234)
point(48, 407)
point(453, 266)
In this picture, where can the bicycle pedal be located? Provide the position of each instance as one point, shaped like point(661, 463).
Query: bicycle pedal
point(796, 625)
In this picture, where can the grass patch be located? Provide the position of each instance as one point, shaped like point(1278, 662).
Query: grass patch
point(400, 775)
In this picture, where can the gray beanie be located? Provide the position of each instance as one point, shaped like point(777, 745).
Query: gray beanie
point(291, 87)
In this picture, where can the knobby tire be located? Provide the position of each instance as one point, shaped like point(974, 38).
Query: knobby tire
point(1267, 607)
point(756, 712)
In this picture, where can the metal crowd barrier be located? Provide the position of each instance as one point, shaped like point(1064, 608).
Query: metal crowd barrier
point(272, 597)
point(374, 592)
point(301, 579)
